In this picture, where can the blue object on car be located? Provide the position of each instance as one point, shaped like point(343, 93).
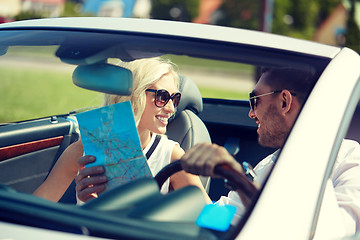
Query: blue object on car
point(216, 217)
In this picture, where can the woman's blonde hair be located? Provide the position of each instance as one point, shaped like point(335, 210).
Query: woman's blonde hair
point(145, 72)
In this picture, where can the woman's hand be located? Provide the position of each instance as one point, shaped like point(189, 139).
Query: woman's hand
point(90, 181)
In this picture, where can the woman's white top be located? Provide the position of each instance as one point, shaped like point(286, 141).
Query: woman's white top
point(160, 157)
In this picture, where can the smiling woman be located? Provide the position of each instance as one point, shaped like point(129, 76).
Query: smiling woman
point(151, 113)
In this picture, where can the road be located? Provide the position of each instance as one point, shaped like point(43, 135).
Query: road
point(221, 80)
point(205, 78)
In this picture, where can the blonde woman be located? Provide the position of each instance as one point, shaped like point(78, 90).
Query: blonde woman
point(154, 99)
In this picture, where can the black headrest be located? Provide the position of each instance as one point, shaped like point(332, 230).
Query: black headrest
point(190, 96)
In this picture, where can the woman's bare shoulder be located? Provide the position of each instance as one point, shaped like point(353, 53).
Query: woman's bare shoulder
point(177, 153)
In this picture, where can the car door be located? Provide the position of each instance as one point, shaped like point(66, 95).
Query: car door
point(36, 126)
point(29, 149)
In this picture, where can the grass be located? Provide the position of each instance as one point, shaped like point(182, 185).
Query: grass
point(28, 93)
point(206, 64)
point(218, 93)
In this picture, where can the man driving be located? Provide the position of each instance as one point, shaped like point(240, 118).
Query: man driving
point(275, 104)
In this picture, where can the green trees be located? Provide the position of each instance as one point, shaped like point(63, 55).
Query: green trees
point(353, 33)
point(180, 10)
point(239, 13)
point(296, 18)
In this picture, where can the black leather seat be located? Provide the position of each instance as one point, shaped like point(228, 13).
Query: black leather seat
point(186, 127)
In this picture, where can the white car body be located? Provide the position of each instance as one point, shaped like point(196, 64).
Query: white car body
point(282, 210)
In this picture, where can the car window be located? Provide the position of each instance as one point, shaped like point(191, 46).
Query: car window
point(218, 79)
point(24, 69)
point(34, 84)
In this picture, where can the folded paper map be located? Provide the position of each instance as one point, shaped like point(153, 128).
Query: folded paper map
point(109, 133)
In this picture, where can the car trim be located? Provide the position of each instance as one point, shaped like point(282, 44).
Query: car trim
point(23, 148)
point(179, 29)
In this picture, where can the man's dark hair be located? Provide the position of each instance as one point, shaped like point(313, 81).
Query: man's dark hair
point(296, 81)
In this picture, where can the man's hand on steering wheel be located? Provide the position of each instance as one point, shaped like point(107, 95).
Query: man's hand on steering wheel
point(202, 159)
point(213, 160)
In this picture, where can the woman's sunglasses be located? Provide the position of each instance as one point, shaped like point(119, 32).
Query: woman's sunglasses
point(162, 97)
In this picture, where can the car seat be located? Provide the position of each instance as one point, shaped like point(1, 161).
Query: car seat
point(185, 126)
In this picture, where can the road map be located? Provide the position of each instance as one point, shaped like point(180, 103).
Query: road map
point(109, 133)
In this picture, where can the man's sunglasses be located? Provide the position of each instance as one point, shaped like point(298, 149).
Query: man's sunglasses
point(162, 97)
point(253, 98)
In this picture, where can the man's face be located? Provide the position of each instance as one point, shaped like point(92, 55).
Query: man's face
point(272, 128)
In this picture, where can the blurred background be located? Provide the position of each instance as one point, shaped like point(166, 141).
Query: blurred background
point(333, 22)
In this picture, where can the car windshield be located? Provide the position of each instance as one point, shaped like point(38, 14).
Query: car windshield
point(50, 59)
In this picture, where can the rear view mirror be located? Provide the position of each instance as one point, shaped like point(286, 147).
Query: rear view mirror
point(103, 77)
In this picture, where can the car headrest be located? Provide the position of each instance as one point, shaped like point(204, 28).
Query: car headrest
point(190, 96)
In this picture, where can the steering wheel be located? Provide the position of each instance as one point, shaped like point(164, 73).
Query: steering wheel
point(234, 180)
point(167, 171)
point(137, 191)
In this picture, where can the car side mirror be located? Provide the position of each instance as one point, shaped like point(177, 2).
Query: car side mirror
point(104, 77)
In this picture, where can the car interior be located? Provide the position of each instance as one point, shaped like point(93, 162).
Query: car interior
point(34, 142)
point(29, 145)
point(29, 149)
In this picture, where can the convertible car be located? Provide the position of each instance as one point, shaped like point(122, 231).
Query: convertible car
point(219, 66)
